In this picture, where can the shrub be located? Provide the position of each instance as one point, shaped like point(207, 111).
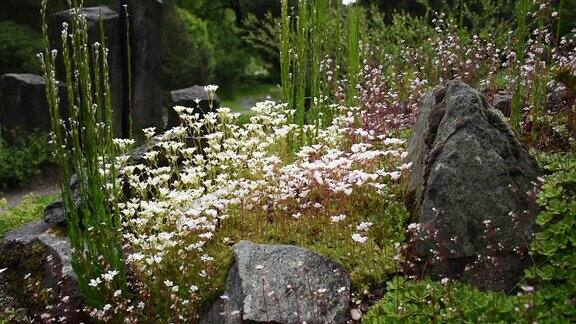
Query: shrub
point(24, 159)
point(19, 45)
point(188, 57)
point(229, 67)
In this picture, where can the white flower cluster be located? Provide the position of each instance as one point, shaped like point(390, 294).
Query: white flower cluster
point(196, 172)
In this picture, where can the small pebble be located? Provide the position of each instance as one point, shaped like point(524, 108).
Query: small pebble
point(355, 314)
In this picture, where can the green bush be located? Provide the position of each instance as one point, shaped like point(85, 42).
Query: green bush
point(30, 209)
point(23, 159)
point(231, 53)
point(19, 45)
point(548, 293)
point(188, 51)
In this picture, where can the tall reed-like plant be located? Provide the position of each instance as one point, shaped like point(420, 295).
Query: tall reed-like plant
point(522, 33)
point(354, 60)
point(311, 34)
point(84, 146)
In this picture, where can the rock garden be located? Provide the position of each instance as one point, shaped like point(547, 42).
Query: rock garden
point(419, 166)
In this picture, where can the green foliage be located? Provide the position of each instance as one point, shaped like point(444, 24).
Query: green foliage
point(311, 34)
point(24, 159)
point(427, 301)
point(548, 293)
point(555, 243)
point(197, 46)
point(390, 40)
point(188, 56)
point(566, 76)
point(566, 17)
point(30, 209)
point(231, 53)
point(19, 45)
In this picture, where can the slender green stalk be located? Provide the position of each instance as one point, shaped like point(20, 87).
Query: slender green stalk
point(354, 62)
point(318, 36)
point(84, 145)
point(285, 54)
point(301, 64)
point(559, 23)
point(129, 71)
point(522, 34)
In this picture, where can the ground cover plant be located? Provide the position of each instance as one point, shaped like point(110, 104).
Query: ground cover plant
point(324, 169)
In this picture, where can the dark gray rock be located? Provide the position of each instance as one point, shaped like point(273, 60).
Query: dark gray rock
point(23, 104)
point(145, 18)
point(41, 253)
point(469, 190)
point(110, 21)
point(187, 98)
point(282, 284)
point(54, 214)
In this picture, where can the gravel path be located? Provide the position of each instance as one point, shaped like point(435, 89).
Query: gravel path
point(40, 186)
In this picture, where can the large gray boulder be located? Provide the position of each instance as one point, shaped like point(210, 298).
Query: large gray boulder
point(110, 20)
point(188, 98)
point(145, 19)
point(470, 190)
point(23, 104)
point(281, 284)
point(38, 261)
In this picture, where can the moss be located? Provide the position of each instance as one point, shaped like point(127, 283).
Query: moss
point(369, 264)
point(27, 285)
point(30, 209)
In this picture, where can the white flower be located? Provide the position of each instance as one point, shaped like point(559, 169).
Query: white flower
point(527, 288)
point(337, 218)
point(95, 282)
point(359, 238)
point(211, 88)
point(348, 2)
point(149, 132)
point(364, 226)
point(109, 275)
point(168, 283)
